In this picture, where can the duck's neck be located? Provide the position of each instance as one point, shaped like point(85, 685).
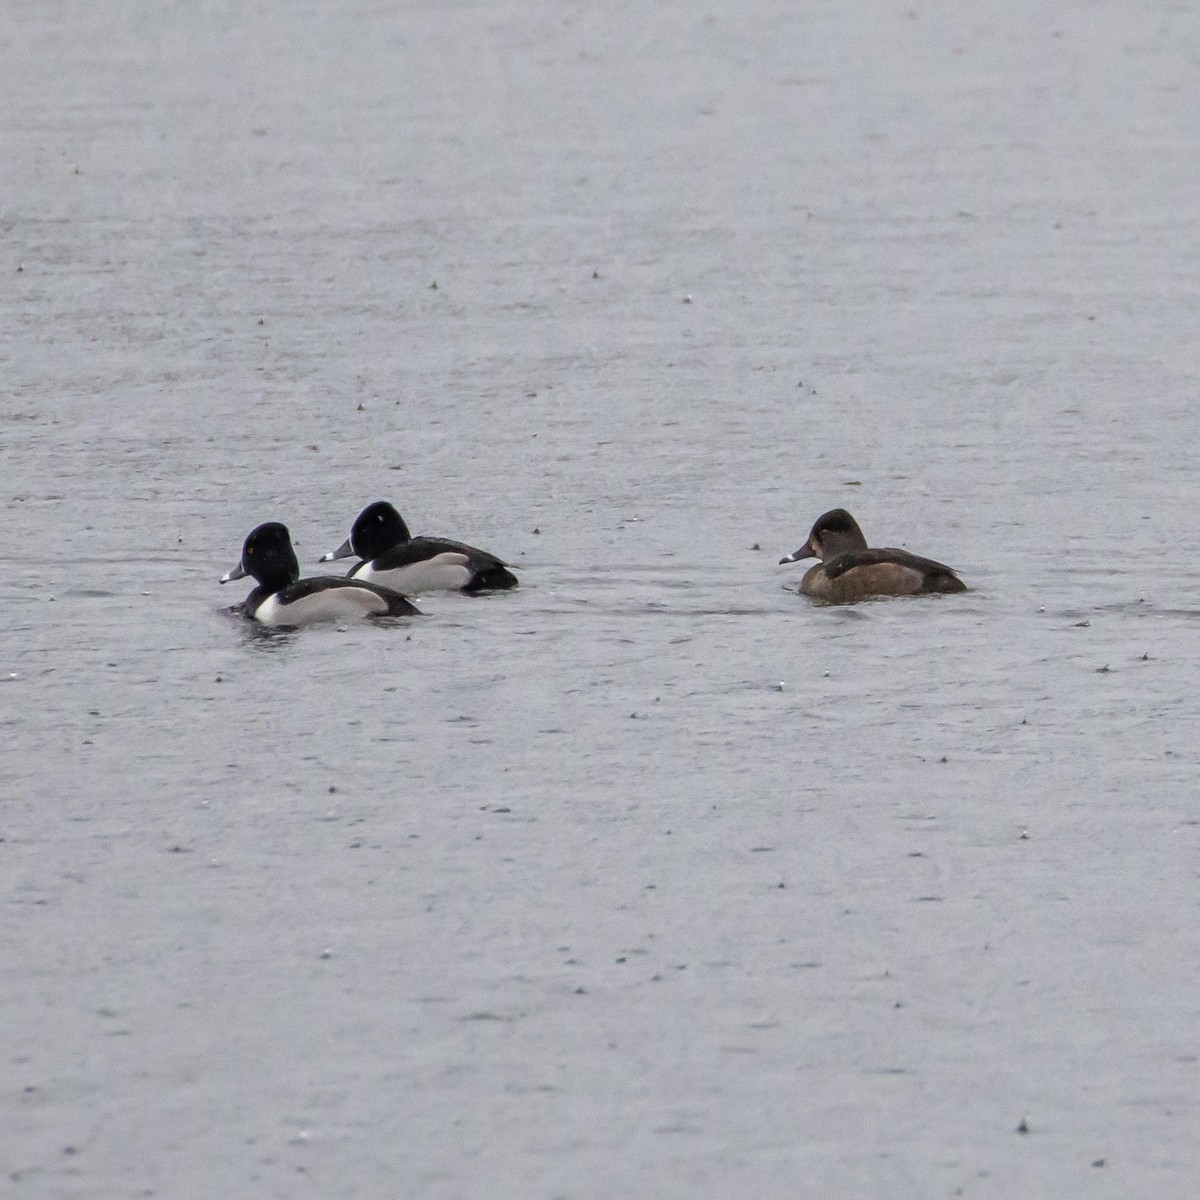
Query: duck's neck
point(835, 543)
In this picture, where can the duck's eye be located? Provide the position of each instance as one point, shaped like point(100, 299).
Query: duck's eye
point(249, 551)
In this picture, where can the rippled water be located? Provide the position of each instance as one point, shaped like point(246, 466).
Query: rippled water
point(648, 878)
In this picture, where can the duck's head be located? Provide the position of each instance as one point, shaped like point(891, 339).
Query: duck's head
point(834, 533)
point(376, 530)
point(267, 556)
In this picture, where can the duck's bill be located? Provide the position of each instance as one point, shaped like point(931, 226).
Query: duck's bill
point(343, 551)
point(238, 572)
point(798, 555)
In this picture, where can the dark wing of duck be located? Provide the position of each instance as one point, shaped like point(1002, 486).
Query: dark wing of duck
point(398, 605)
point(937, 576)
point(488, 571)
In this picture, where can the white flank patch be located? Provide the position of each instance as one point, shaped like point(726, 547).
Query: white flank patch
point(330, 604)
point(443, 573)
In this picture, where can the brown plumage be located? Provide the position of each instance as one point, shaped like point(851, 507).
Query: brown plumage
point(849, 571)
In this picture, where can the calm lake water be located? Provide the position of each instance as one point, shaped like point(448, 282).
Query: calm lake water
point(648, 879)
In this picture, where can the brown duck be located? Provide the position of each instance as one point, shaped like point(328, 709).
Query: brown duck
point(849, 571)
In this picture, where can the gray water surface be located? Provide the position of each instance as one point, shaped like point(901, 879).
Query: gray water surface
point(648, 879)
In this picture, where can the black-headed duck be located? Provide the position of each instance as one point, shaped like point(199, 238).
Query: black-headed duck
point(284, 600)
point(849, 571)
point(394, 558)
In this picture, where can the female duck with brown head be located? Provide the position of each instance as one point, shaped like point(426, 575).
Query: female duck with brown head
point(849, 571)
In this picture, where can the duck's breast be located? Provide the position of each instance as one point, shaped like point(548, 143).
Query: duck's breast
point(298, 605)
point(448, 571)
point(842, 582)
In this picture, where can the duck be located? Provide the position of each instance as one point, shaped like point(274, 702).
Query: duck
point(390, 555)
point(283, 600)
point(849, 571)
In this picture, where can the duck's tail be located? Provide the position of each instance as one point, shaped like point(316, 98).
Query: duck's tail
point(492, 579)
